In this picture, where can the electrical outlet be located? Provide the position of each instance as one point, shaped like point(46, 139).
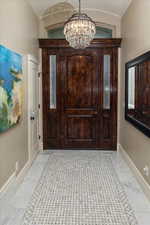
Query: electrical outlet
point(17, 167)
point(146, 170)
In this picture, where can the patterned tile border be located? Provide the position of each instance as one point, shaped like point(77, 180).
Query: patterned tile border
point(68, 193)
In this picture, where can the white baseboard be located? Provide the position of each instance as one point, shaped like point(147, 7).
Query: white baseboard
point(25, 169)
point(139, 177)
point(8, 183)
point(41, 146)
point(16, 180)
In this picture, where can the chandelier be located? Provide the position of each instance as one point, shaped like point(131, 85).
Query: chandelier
point(79, 30)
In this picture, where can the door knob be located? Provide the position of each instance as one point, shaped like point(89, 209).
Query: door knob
point(32, 115)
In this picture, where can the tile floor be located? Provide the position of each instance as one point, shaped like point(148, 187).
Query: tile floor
point(14, 203)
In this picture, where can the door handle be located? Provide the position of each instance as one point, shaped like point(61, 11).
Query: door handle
point(32, 115)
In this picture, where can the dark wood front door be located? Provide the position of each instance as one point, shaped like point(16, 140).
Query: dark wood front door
point(80, 100)
point(83, 114)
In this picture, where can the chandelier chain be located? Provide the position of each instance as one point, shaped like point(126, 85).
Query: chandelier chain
point(79, 6)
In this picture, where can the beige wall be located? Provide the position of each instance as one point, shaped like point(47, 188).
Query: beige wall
point(19, 32)
point(136, 40)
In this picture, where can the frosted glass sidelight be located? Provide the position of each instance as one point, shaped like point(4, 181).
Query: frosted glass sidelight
point(106, 82)
point(52, 81)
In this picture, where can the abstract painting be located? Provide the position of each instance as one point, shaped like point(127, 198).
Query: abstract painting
point(11, 89)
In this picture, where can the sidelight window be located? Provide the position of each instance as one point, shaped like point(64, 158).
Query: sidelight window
point(52, 81)
point(106, 82)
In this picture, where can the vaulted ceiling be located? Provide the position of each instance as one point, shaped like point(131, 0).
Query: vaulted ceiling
point(116, 7)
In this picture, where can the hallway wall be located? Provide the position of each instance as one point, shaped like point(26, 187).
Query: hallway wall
point(135, 34)
point(19, 32)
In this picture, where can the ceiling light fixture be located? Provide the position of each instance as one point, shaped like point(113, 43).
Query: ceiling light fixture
point(79, 30)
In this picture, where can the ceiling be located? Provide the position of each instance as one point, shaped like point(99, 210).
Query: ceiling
point(116, 7)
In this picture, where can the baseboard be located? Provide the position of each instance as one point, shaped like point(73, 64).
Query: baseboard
point(41, 146)
point(139, 177)
point(23, 172)
point(8, 183)
point(17, 180)
point(25, 169)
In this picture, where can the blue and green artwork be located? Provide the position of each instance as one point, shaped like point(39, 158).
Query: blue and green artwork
point(11, 91)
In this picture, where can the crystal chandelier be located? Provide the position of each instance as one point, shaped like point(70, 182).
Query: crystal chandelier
point(79, 30)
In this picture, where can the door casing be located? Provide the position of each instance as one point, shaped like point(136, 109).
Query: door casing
point(33, 110)
point(107, 44)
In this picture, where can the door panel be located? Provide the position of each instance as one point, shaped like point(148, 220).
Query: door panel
point(85, 113)
point(80, 99)
point(81, 128)
point(79, 81)
point(51, 105)
point(108, 96)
